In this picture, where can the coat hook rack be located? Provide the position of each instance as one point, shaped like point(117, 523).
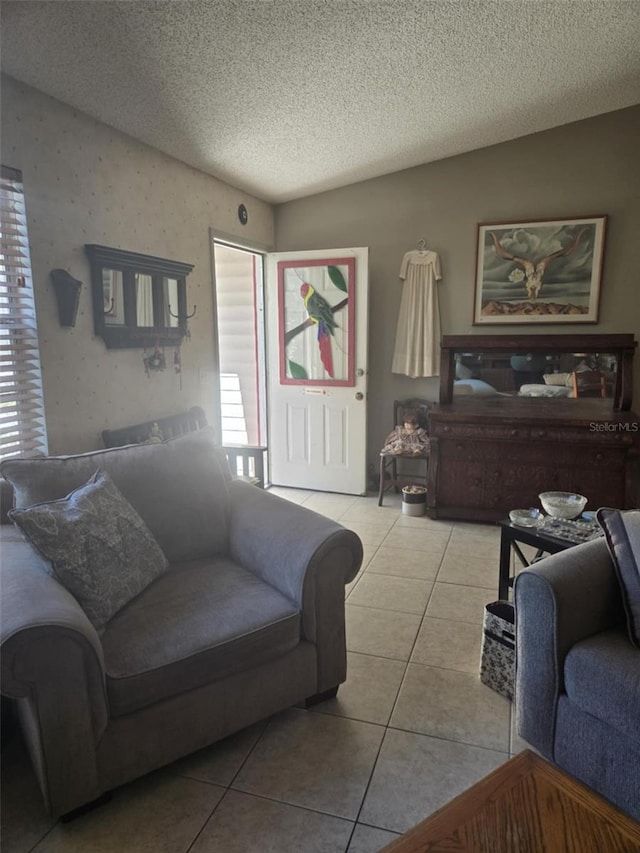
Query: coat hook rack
point(186, 316)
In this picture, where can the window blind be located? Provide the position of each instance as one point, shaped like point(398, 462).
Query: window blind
point(22, 423)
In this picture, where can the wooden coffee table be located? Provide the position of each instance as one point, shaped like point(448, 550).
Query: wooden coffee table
point(527, 805)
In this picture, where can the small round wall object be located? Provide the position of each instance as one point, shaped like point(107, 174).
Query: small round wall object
point(243, 214)
point(414, 500)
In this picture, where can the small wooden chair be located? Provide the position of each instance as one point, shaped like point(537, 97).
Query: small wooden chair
point(401, 410)
point(589, 383)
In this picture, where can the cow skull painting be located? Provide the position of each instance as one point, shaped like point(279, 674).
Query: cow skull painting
point(545, 271)
point(534, 270)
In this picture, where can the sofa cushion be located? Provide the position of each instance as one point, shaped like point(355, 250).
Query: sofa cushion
point(100, 548)
point(602, 677)
point(622, 531)
point(201, 621)
point(179, 488)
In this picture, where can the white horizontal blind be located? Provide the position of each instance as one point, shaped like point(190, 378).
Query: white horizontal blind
point(235, 301)
point(234, 423)
point(22, 424)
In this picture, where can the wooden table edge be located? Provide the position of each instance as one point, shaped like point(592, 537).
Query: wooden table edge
point(458, 810)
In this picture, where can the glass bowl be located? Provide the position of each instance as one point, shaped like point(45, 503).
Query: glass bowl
point(562, 504)
point(526, 517)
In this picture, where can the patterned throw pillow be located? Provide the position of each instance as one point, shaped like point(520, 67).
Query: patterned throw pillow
point(100, 548)
point(622, 531)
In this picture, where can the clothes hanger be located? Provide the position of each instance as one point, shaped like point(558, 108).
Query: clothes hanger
point(422, 246)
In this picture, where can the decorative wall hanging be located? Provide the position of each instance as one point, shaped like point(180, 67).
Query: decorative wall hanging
point(542, 271)
point(316, 302)
point(138, 300)
point(155, 361)
point(67, 290)
point(417, 348)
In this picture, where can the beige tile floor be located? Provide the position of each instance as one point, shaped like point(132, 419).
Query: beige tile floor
point(411, 728)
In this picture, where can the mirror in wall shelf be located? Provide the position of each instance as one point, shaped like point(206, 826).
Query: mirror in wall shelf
point(548, 367)
point(138, 300)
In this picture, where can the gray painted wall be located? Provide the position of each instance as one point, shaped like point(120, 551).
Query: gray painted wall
point(87, 183)
point(586, 168)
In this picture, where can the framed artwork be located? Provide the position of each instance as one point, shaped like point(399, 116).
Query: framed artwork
point(542, 271)
point(316, 306)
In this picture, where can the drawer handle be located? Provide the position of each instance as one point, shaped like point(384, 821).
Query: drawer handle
point(513, 432)
point(599, 457)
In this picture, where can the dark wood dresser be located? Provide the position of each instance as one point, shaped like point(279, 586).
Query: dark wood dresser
point(491, 454)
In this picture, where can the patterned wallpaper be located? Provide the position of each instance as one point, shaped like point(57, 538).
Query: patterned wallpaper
point(87, 183)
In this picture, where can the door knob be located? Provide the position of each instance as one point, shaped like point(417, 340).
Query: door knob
point(359, 395)
point(360, 372)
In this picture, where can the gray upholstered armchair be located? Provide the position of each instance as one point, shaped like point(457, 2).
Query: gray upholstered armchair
point(247, 619)
point(578, 674)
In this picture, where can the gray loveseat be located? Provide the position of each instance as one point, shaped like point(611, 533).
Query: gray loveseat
point(247, 621)
point(578, 675)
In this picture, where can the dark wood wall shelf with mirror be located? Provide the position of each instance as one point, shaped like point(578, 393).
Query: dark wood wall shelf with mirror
point(499, 438)
point(138, 300)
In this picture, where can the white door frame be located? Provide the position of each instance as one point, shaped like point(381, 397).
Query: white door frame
point(320, 427)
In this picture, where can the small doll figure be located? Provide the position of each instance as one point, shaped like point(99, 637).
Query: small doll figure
point(155, 435)
point(407, 440)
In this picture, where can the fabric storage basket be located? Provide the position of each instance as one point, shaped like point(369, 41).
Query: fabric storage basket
point(498, 659)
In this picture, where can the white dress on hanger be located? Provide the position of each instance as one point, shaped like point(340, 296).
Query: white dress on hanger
point(417, 349)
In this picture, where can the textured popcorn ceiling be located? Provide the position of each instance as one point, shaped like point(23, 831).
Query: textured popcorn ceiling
point(284, 98)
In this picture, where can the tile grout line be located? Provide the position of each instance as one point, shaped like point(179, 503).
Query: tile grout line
point(202, 828)
point(227, 787)
point(388, 726)
point(450, 740)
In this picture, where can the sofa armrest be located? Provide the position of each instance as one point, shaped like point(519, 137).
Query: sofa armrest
point(52, 664)
point(307, 557)
point(35, 605)
point(565, 598)
point(6, 501)
point(282, 542)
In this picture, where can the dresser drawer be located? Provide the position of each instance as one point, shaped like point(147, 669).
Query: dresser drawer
point(483, 467)
point(484, 432)
point(541, 454)
point(584, 434)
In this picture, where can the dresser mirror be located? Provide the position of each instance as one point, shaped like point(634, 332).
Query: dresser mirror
point(552, 375)
point(546, 367)
point(138, 300)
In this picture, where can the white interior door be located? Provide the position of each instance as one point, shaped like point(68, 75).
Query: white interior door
point(317, 321)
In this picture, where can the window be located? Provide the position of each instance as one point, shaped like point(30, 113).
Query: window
point(234, 423)
point(22, 423)
point(239, 305)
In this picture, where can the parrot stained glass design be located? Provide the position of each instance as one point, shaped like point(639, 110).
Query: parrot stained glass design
point(320, 313)
point(317, 321)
